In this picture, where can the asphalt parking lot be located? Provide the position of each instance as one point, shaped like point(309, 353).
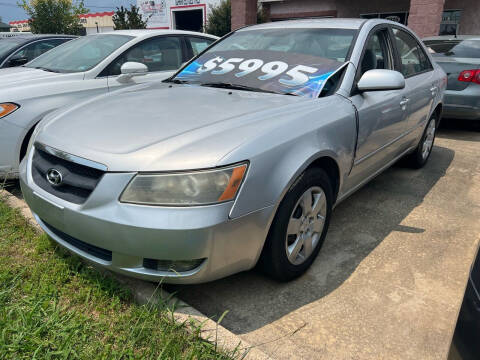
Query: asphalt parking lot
point(390, 278)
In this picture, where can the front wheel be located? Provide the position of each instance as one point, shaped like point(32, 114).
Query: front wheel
point(420, 156)
point(299, 227)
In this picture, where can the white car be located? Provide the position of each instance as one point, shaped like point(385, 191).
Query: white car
point(84, 67)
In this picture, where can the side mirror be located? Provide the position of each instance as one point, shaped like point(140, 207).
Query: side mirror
point(131, 69)
point(19, 61)
point(381, 79)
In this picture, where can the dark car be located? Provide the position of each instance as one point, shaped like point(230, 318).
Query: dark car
point(19, 50)
point(465, 343)
point(459, 56)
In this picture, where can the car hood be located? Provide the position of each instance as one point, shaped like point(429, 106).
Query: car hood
point(18, 75)
point(159, 127)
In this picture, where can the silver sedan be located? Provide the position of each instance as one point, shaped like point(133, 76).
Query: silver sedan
point(238, 158)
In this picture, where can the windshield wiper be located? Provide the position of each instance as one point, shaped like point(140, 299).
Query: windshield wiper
point(224, 85)
point(176, 81)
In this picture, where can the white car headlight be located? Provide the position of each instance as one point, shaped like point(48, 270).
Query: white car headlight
point(185, 189)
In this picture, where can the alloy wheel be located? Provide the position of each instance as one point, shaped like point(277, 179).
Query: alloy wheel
point(429, 138)
point(306, 225)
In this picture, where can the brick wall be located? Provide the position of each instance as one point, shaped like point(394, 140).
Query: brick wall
point(425, 16)
point(244, 12)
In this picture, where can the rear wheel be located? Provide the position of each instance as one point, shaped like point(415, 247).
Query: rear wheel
point(420, 156)
point(299, 227)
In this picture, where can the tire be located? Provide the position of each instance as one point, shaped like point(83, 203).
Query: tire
point(420, 156)
point(287, 256)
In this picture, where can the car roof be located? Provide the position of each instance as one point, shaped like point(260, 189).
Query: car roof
point(311, 23)
point(32, 37)
point(149, 33)
point(453, 37)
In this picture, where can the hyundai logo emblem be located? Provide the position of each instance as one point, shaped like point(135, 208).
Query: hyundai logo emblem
point(54, 177)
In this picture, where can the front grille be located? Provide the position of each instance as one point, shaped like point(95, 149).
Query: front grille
point(78, 181)
point(93, 250)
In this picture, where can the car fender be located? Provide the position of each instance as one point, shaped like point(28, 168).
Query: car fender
point(277, 168)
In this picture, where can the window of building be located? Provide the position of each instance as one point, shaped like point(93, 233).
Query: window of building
point(400, 17)
point(450, 22)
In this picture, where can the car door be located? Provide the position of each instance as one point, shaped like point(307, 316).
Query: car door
point(163, 55)
point(381, 114)
point(420, 88)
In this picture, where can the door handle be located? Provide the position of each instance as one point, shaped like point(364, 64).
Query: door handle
point(404, 102)
point(433, 90)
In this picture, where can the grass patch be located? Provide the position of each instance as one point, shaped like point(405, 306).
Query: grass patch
point(54, 306)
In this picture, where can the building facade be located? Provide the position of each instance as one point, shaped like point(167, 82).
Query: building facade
point(92, 23)
point(426, 17)
point(176, 14)
point(97, 22)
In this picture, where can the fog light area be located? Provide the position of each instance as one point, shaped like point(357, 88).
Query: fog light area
point(176, 266)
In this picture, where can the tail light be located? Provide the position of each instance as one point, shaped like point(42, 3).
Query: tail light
point(470, 76)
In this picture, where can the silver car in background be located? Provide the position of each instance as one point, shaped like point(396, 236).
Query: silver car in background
point(239, 157)
point(88, 66)
point(459, 56)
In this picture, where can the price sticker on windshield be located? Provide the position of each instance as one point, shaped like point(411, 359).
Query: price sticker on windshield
point(272, 71)
point(297, 75)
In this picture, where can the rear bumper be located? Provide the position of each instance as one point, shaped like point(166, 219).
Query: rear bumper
point(462, 104)
point(130, 233)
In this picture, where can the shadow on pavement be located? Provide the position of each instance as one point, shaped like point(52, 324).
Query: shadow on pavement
point(459, 129)
point(358, 226)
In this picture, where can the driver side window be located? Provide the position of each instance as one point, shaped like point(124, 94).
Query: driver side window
point(377, 54)
point(161, 53)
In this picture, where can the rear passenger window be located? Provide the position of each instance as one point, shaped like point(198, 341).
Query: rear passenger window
point(199, 44)
point(412, 57)
point(158, 54)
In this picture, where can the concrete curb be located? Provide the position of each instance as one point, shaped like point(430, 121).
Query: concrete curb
point(145, 292)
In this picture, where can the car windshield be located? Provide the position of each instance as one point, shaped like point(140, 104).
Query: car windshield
point(8, 44)
point(454, 48)
point(79, 55)
point(285, 61)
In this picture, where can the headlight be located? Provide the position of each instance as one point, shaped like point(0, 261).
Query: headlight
point(7, 108)
point(185, 189)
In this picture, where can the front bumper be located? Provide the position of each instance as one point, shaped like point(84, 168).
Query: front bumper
point(463, 104)
point(11, 137)
point(133, 233)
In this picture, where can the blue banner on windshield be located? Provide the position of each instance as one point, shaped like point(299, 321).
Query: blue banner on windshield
point(279, 72)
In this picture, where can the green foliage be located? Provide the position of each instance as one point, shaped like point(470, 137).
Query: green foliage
point(128, 19)
point(54, 16)
point(54, 306)
point(219, 20)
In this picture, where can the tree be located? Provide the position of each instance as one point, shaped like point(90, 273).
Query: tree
point(54, 16)
point(128, 19)
point(219, 20)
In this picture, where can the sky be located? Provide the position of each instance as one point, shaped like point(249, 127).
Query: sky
point(9, 10)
